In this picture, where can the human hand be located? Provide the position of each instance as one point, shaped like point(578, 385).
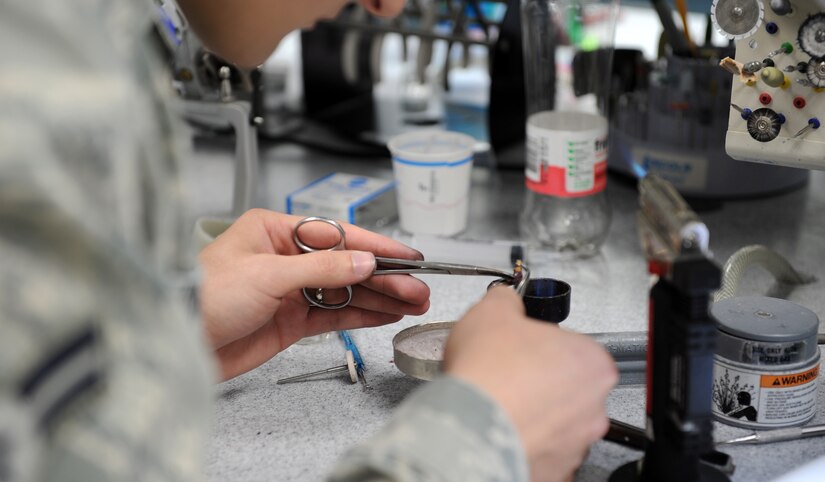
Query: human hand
point(251, 301)
point(552, 383)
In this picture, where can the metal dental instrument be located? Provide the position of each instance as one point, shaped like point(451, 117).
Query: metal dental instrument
point(355, 365)
point(813, 123)
point(349, 367)
point(518, 279)
point(778, 435)
point(627, 435)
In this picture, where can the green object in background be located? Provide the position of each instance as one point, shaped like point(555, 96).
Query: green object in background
point(575, 28)
point(589, 43)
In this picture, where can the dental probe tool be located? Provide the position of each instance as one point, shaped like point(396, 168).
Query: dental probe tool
point(779, 435)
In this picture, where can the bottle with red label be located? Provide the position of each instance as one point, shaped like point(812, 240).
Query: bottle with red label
point(567, 59)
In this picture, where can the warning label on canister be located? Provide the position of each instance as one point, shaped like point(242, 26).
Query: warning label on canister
point(792, 380)
point(759, 399)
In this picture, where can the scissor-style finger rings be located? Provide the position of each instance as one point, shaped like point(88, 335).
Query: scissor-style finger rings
point(317, 298)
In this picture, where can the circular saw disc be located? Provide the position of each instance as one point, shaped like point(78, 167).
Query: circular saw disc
point(764, 125)
point(812, 35)
point(816, 72)
point(737, 19)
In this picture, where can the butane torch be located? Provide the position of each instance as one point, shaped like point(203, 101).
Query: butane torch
point(681, 341)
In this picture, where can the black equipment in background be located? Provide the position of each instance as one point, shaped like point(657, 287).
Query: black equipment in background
point(507, 110)
point(329, 98)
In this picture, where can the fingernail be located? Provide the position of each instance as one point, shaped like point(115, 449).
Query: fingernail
point(363, 263)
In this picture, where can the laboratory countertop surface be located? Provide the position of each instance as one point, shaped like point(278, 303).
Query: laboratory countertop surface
point(264, 431)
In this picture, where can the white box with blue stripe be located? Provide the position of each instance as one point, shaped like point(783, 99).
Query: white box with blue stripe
point(361, 200)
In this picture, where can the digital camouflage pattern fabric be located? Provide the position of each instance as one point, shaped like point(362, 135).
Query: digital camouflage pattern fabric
point(103, 373)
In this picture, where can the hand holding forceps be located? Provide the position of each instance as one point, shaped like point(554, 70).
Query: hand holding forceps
point(518, 278)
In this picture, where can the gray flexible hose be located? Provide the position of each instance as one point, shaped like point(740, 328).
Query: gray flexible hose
point(773, 262)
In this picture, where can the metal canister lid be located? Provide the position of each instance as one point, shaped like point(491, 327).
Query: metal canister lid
point(765, 331)
point(419, 350)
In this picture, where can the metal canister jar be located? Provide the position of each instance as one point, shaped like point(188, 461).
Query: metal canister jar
point(767, 363)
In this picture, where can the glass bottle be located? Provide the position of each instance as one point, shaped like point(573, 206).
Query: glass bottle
point(568, 50)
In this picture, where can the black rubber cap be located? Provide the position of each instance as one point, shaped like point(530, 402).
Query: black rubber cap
point(547, 299)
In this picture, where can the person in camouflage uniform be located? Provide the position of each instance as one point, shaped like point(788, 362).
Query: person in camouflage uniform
point(98, 356)
point(105, 371)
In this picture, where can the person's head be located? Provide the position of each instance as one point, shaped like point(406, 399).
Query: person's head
point(744, 398)
point(245, 33)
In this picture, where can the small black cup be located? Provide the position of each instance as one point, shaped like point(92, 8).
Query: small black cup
point(547, 299)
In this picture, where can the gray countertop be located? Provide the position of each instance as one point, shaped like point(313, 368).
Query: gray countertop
point(265, 431)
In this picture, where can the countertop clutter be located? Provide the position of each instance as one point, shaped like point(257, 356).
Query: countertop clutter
point(265, 431)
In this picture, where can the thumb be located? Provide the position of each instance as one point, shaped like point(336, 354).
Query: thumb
point(320, 269)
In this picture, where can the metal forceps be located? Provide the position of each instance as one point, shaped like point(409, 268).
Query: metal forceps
point(518, 279)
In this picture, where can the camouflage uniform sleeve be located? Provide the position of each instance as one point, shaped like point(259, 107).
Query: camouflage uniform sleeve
point(104, 375)
point(446, 431)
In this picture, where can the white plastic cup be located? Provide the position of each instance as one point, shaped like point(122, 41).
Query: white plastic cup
point(432, 174)
point(207, 229)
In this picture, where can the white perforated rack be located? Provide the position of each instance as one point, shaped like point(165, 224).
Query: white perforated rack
point(797, 103)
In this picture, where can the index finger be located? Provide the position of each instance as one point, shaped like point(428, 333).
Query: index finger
point(364, 240)
point(323, 235)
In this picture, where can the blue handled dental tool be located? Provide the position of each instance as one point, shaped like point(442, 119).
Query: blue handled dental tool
point(359, 362)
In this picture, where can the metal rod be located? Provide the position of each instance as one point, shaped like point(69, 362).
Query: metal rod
point(482, 21)
point(626, 435)
point(306, 376)
point(624, 345)
point(675, 37)
point(779, 435)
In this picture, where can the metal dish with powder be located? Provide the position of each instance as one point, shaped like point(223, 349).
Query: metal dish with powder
point(418, 350)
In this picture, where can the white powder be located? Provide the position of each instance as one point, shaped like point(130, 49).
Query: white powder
point(426, 345)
